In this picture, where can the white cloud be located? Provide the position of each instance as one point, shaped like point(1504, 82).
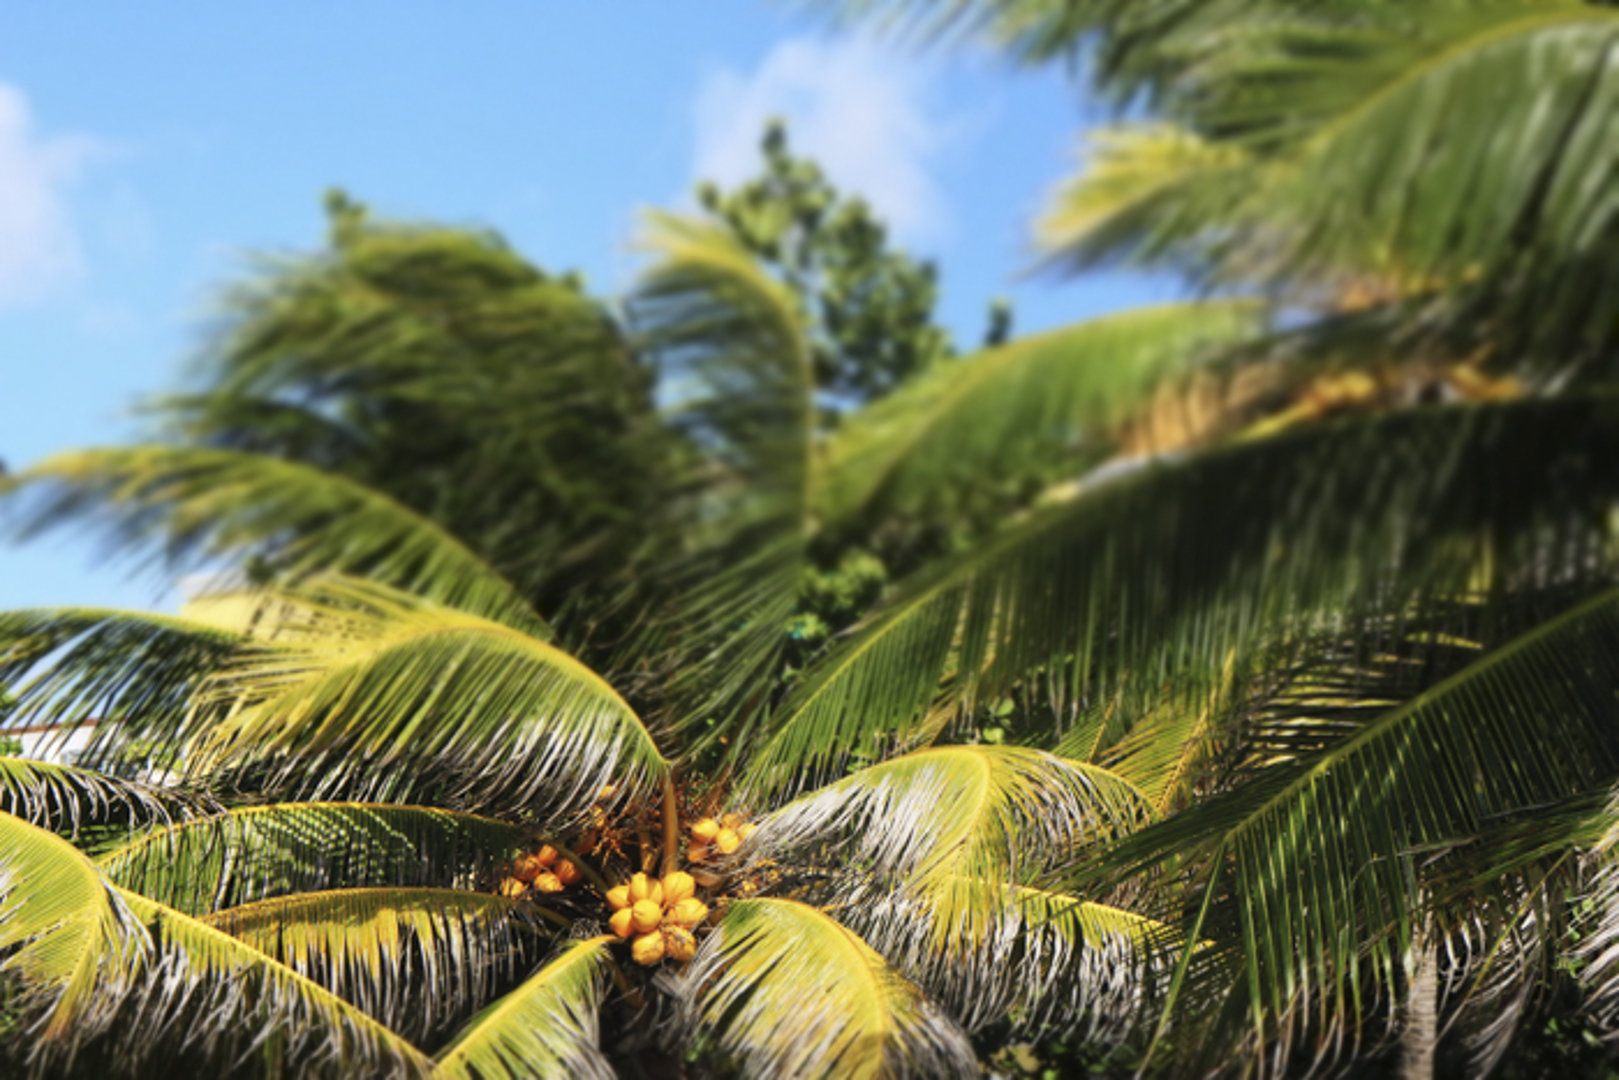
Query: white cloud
point(856, 107)
point(40, 250)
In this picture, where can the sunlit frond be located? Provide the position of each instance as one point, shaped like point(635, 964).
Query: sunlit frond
point(199, 504)
point(1025, 404)
point(361, 690)
point(1143, 585)
point(1315, 874)
point(134, 671)
point(416, 960)
point(61, 798)
point(790, 991)
point(545, 1028)
point(259, 852)
point(731, 345)
point(1050, 965)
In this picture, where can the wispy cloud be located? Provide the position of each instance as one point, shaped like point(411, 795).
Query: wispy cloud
point(40, 248)
point(860, 109)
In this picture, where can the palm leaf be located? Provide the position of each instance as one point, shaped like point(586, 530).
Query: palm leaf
point(1050, 965)
point(545, 1028)
point(1026, 404)
point(790, 991)
point(1315, 867)
point(1140, 587)
point(205, 504)
point(414, 959)
point(135, 670)
point(731, 344)
point(64, 797)
point(359, 689)
point(259, 852)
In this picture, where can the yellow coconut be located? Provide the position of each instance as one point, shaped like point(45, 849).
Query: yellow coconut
point(640, 887)
point(730, 821)
point(647, 915)
point(676, 887)
point(547, 882)
point(696, 852)
point(678, 943)
point(648, 949)
point(654, 891)
point(512, 887)
point(622, 922)
point(689, 912)
point(619, 897)
point(567, 872)
point(745, 830)
point(526, 867)
point(705, 830)
point(727, 841)
point(547, 855)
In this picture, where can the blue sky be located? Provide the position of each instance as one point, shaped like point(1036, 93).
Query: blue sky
point(147, 149)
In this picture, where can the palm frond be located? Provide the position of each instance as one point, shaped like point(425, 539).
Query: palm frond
point(1050, 966)
point(790, 991)
point(202, 504)
point(417, 960)
point(1026, 404)
point(1313, 872)
point(546, 1027)
point(1142, 585)
point(731, 345)
point(62, 798)
point(358, 689)
point(132, 674)
point(259, 852)
point(933, 816)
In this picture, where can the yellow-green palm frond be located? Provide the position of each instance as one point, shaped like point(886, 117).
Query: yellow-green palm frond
point(219, 1001)
point(62, 798)
point(1145, 193)
point(787, 990)
point(1315, 872)
point(1140, 586)
point(418, 960)
point(258, 852)
point(359, 690)
point(61, 924)
point(67, 666)
point(1027, 404)
point(1050, 965)
point(201, 504)
point(545, 1028)
point(731, 345)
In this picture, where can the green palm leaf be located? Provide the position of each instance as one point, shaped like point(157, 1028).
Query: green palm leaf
point(731, 342)
point(415, 959)
point(259, 852)
point(69, 665)
point(209, 503)
point(359, 689)
point(790, 991)
point(64, 797)
point(1028, 403)
point(1315, 866)
point(1050, 964)
point(1142, 586)
point(545, 1028)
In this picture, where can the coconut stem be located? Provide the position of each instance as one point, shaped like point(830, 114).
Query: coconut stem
point(671, 826)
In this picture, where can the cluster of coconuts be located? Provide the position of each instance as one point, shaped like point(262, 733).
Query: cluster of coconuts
point(659, 914)
point(542, 871)
point(710, 837)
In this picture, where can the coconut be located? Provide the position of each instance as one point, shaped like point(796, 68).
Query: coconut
point(697, 852)
point(705, 830)
point(648, 949)
point(647, 915)
point(567, 872)
point(547, 855)
point(678, 943)
point(727, 841)
point(619, 897)
point(689, 912)
point(512, 887)
point(677, 887)
point(547, 882)
point(640, 886)
point(622, 922)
